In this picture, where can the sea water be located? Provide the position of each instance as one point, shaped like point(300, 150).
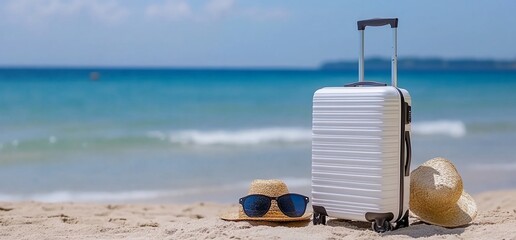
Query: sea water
point(177, 135)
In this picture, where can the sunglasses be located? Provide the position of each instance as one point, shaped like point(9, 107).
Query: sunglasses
point(291, 204)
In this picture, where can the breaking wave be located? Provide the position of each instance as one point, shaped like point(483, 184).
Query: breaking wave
point(495, 166)
point(139, 195)
point(449, 128)
point(240, 137)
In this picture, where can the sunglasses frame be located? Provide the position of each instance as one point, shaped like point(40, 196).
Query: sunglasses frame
point(242, 200)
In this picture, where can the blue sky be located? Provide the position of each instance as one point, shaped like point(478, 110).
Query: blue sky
point(226, 33)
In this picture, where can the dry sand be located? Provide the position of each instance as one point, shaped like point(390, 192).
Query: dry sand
point(34, 220)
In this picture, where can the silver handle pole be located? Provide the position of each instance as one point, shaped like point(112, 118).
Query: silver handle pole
point(361, 57)
point(394, 65)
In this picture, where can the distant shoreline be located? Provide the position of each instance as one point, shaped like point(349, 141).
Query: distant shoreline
point(372, 64)
point(425, 64)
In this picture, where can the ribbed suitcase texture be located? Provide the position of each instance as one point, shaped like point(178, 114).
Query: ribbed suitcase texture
point(361, 147)
point(356, 151)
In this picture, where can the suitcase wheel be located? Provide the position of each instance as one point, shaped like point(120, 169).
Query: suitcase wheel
point(381, 226)
point(319, 219)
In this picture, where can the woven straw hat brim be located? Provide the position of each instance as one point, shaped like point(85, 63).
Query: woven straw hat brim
point(234, 216)
point(456, 215)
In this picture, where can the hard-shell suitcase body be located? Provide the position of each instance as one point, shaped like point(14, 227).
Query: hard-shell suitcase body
point(361, 149)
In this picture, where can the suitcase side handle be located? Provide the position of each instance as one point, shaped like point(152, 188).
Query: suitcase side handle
point(394, 63)
point(408, 146)
point(375, 22)
point(371, 84)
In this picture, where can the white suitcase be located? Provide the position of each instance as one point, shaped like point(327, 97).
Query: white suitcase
point(361, 148)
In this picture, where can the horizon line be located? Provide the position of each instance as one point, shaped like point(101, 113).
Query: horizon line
point(200, 67)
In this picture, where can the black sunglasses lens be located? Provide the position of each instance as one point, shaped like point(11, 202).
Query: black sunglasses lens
point(292, 205)
point(256, 205)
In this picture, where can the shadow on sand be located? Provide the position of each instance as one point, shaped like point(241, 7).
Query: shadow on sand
point(282, 224)
point(420, 229)
point(417, 229)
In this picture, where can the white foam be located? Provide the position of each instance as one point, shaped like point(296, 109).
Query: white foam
point(494, 167)
point(139, 195)
point(297, 182)
point(94, 196)
point(450, 128)
point(71, 196)
point(240, 137)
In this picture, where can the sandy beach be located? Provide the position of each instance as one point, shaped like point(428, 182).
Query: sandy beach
point(35, 220)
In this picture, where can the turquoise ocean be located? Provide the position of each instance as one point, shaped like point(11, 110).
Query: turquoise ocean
point(181, 135)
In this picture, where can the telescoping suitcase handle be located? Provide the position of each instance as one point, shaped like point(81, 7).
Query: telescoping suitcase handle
point(374, 23)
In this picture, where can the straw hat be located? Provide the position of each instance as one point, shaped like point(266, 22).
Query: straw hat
point(437, 196)
point(271, 188)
